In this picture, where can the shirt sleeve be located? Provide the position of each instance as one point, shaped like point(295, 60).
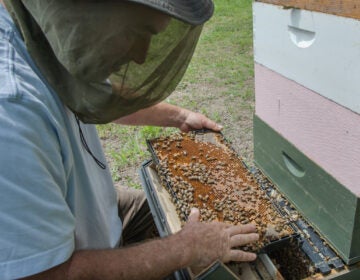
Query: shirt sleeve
point(37, 226)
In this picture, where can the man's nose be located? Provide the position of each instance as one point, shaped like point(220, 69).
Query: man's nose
point(139, 50)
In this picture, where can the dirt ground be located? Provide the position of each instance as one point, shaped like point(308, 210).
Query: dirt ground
point(234, 112)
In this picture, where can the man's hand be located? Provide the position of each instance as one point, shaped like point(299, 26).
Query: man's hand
point(194, 121)
point(216, 241)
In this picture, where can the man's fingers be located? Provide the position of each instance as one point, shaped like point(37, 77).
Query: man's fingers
point(239, 229)
point(243, 239)
point(207, 123)
point(241, 256)
point(194, 215)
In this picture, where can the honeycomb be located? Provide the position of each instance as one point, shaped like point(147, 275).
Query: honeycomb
point(202, 170)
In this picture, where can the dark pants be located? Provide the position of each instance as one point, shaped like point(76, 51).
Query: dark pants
point(134, 211)
point(138, 223)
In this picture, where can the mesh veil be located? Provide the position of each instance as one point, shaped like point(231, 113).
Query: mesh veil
point(128, 89)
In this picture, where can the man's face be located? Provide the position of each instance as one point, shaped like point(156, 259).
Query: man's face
point(138, 24)
point(101, 36)
point(151, 22)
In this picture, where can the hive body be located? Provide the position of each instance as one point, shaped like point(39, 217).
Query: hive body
point(307, 122)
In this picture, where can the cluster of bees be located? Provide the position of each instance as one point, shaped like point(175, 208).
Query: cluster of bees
point(292, 262)
point(202, 171)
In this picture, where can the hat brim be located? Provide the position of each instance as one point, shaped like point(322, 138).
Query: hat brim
point(194, 12)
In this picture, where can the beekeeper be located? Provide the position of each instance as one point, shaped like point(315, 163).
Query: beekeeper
point(67, 65)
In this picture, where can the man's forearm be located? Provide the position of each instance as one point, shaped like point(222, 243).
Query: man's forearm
point(162, 114)
point(151, 260)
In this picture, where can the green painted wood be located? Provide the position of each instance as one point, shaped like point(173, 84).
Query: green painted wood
point(329, 206)
point(355, 245)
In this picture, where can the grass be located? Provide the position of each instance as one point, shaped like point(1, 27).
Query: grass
point(217, 83)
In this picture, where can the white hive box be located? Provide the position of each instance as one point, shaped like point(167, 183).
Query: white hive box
point(317, 50)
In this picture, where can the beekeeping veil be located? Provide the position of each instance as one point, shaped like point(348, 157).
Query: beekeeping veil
point(84, 49)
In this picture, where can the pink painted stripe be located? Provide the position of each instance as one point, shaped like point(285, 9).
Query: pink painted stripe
point(324, 131)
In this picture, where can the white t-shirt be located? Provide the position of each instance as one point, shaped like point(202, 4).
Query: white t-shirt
point(54, 198)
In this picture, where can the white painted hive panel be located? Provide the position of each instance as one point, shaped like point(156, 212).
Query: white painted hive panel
point(319, 51)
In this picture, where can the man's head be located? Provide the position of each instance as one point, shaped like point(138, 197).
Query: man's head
point(94, 38)
point(101, 36)
point(109, 58)
point(194, 12)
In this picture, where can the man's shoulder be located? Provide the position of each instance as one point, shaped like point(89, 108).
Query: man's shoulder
point(19, 76)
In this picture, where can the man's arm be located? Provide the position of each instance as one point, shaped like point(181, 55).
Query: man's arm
point(151, 260)
point(167, 115)
point(197, 244)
